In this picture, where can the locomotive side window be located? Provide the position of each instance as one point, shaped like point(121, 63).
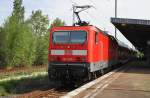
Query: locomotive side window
point(69, 37)
point(96, 37)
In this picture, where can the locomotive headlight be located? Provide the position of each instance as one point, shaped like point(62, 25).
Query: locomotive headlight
point(52, 59)
point(83, 59)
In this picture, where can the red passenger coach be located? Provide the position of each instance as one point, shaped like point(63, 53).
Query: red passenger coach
point(77, 52)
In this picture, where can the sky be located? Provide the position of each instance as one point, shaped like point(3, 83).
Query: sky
point(99, 15)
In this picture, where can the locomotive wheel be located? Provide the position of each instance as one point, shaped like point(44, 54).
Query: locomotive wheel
point(98, 73)
point(108, 69)
point(89, 76)
point(102, 72)
point(95, 75)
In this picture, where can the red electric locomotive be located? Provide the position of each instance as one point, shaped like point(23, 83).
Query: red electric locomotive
point(78, 52)
point(82, 52)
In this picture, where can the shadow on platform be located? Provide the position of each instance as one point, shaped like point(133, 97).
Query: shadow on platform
point(138, 67)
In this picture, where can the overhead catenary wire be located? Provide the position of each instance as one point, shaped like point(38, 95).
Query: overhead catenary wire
point(92, 16)
point(94, 5)
point(73, 3)
point(100, 11)
point(92, 2)
point(96, 8)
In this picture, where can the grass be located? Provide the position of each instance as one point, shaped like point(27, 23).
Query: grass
point(16, 73)
point(19, 86)
point(11, 82)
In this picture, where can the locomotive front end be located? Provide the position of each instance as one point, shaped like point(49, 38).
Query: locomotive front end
point(68, 53)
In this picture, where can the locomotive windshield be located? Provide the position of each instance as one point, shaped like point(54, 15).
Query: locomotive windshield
point(69, 37)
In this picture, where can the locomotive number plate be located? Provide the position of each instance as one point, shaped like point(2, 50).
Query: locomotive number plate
point(68, 52)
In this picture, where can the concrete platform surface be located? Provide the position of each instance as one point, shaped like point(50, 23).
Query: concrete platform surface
point(132, 83)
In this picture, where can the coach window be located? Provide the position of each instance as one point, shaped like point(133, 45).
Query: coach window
point(96, 37)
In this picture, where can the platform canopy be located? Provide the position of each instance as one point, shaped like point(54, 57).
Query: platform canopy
point(135, 30)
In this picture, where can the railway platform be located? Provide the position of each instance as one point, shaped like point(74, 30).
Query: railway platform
point(132, 81)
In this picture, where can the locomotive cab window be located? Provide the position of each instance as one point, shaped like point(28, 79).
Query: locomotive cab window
point(69, 37)
point(60, 37)
point(96, 37)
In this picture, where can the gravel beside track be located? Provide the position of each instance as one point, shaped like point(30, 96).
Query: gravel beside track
point(52, 93)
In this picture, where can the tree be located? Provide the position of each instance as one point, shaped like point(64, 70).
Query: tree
point(25, 42)
point(18, 44)
point(40, 24)
point(57, 22)
point(2, 50)
point(18, 11)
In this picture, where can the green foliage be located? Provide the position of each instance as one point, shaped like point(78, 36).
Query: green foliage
point(25, 42)
point(3, 92)
point(57, 22)
point(39, 24)
point(25, 72)
point(18, 11)
point(140, 55)
point(18, 43)
point(2, 49)
point(23, 85)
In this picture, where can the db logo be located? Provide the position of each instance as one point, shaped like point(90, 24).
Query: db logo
point(68, 52)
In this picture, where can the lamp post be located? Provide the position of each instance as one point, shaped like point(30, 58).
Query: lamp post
point(115, 17)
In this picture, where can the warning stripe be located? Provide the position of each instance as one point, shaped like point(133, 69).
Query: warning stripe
point(69, 52)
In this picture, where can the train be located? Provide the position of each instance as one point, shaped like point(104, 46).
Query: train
point(80, 53)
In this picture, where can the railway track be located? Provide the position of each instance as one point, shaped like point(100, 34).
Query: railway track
point(52, 93)
point(45, 89)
